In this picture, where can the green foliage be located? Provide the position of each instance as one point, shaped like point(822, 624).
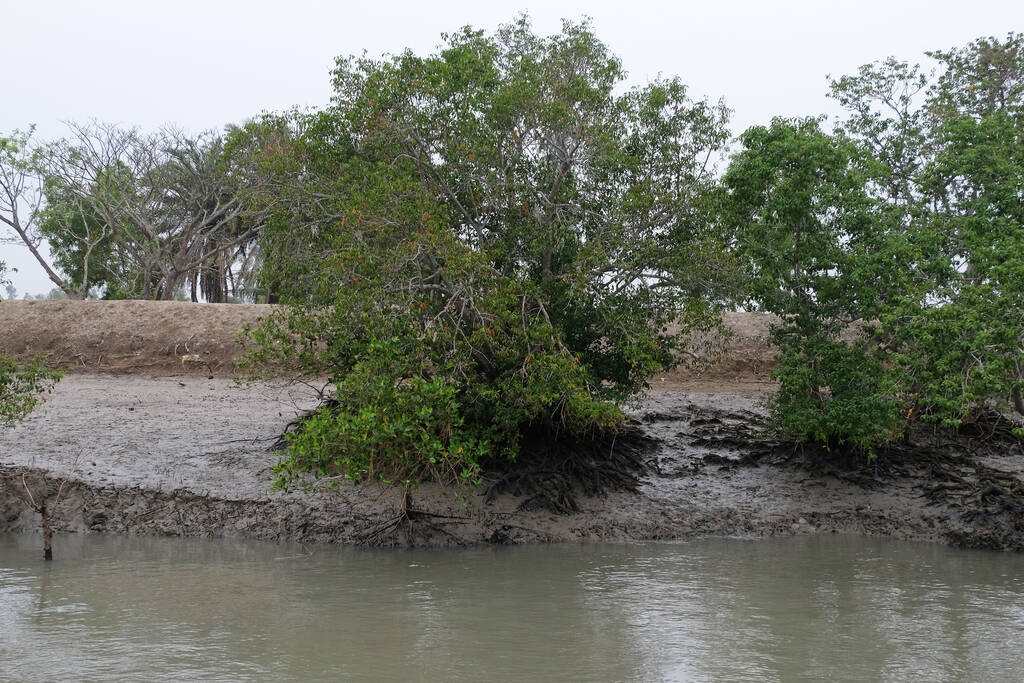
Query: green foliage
point(4, 280)
point(961, 347)
point(83, 246)
point(908, 223)
point(959, 344)
point(980, 79)
point(808, 236)
point(22, 388)
point(832, 392)
point(486, 240)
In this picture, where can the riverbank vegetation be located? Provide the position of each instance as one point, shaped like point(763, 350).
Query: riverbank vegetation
point(492, 247)
point(22, 386)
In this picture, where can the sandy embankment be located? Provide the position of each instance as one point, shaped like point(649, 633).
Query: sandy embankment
point(150, 338)
point(162, 449)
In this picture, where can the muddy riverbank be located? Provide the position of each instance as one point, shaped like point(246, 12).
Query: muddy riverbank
point(192, 456)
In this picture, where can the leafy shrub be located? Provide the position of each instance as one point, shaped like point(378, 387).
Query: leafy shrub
point(22, 388)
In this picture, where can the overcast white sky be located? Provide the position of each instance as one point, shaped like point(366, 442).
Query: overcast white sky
point(204, 63)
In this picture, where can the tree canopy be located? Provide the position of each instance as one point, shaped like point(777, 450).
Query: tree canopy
point(809, 238)
point(136, 215)
point(907, 223)
point(496, 241)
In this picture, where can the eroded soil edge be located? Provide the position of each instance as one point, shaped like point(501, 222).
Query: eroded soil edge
point(191, 456)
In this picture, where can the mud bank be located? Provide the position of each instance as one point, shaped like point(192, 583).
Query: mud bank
point(191, 456)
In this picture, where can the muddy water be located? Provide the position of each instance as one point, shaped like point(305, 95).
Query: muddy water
point(785, 609)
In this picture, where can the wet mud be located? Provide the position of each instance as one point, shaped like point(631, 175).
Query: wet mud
point(192, 456)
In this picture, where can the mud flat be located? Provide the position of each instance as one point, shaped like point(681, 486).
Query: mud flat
point(191, 456)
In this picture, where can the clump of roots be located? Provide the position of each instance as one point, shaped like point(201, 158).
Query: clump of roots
point(959, 468)
point(552, 469)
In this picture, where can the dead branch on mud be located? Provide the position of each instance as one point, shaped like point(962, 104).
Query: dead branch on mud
point(46, 507)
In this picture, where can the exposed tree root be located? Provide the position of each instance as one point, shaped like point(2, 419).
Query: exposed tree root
point(551, 470)
point(410, 526)
point(989, 501)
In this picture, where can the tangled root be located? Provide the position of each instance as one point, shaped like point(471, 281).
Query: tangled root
point(552, 470)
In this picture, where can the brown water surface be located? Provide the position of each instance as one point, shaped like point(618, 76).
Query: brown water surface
point(810, 608)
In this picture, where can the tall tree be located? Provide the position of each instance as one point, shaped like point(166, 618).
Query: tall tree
point(21, 200)
point(936, 264)
point(963, 342)
point(175, 204)
point(139, 215)
point(84, 247)
point(816, 250)
point(498, 237)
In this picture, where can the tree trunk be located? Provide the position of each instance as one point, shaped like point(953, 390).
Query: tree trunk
point(1018, 402)
point(56, 279)
point(47, 533)
point(213, 281)
point(170, 284)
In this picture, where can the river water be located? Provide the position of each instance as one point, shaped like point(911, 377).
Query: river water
point(842, 608)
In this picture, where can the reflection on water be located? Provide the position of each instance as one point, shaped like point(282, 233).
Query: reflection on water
point(785, 609)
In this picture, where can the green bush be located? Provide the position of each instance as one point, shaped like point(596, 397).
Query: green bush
point(484, 242)
point(22, 388)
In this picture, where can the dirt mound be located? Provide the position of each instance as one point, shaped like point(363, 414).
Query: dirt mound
point(746, 359)
point(158, 338)
point(168, 338)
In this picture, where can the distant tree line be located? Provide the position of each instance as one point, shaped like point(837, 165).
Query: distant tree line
point(129, 215)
